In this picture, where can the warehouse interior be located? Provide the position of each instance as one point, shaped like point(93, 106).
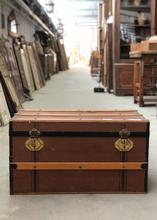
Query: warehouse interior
point(78, 55)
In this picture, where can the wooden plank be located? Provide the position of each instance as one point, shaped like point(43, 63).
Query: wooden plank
point(13, 68)
point(50, 63)
point(77, 114)
point(4, 111)
point(61, 56)
point(78, 165)
point(12, 91)
point(38, 46)
point(43, 61)
point(7, 77)
point(17, 52)
point(65, 112)
point(27, 68)
point(8, 96)
point(37, 80)
point(40, 70)
point(128, 111)
point(64, 56)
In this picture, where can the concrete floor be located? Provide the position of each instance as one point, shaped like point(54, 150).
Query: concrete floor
point(74, 89)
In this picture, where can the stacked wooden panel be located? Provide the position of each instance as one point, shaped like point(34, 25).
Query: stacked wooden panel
point(10, 79)
point(10, 68)
point(25, 84)
point(95, 63)
point(27, 67)
point(4, 111)
point(24, 67)
point(62, 58)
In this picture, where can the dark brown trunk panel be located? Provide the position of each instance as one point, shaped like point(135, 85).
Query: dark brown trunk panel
point(78, 149)
point(78, 181)
point(132, 185)
point(22, 182)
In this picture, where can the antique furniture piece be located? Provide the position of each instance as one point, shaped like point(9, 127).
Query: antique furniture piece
point(95, 60)
point(132, 22)
point(62, 151)
point(145, 76)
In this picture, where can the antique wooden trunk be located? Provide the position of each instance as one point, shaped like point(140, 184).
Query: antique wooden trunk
point(61, 151)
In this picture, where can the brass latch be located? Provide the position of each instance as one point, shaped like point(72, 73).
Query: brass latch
point(124, 144)
point(34, 143)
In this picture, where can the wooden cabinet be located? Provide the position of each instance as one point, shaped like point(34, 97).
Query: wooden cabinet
point(133, 21)
point(123, 75)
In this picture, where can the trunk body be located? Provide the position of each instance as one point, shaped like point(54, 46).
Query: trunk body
point(78, 152)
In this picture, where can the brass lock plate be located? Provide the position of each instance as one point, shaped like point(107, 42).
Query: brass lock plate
point(34, 143)
point(124, 144)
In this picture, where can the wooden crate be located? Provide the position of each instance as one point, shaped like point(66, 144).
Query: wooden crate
point(144, 46)
point(148, 46)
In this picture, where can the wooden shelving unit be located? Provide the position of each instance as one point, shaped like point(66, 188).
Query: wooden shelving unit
point(126, 30)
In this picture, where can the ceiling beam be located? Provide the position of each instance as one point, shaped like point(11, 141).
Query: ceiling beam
point(86, 20)
point(96, 1)
point(33, 16)
point(86, 9)
point(82, 22)
point(86, 16)
point(86, 24)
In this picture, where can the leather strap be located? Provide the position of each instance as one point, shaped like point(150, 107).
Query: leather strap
point(76, 134)
point(79, 166)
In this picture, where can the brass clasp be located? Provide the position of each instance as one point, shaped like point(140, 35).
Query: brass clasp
point(124, 144)
point(34, 143)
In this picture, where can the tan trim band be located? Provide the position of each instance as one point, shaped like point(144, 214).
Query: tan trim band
point(79, 166)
